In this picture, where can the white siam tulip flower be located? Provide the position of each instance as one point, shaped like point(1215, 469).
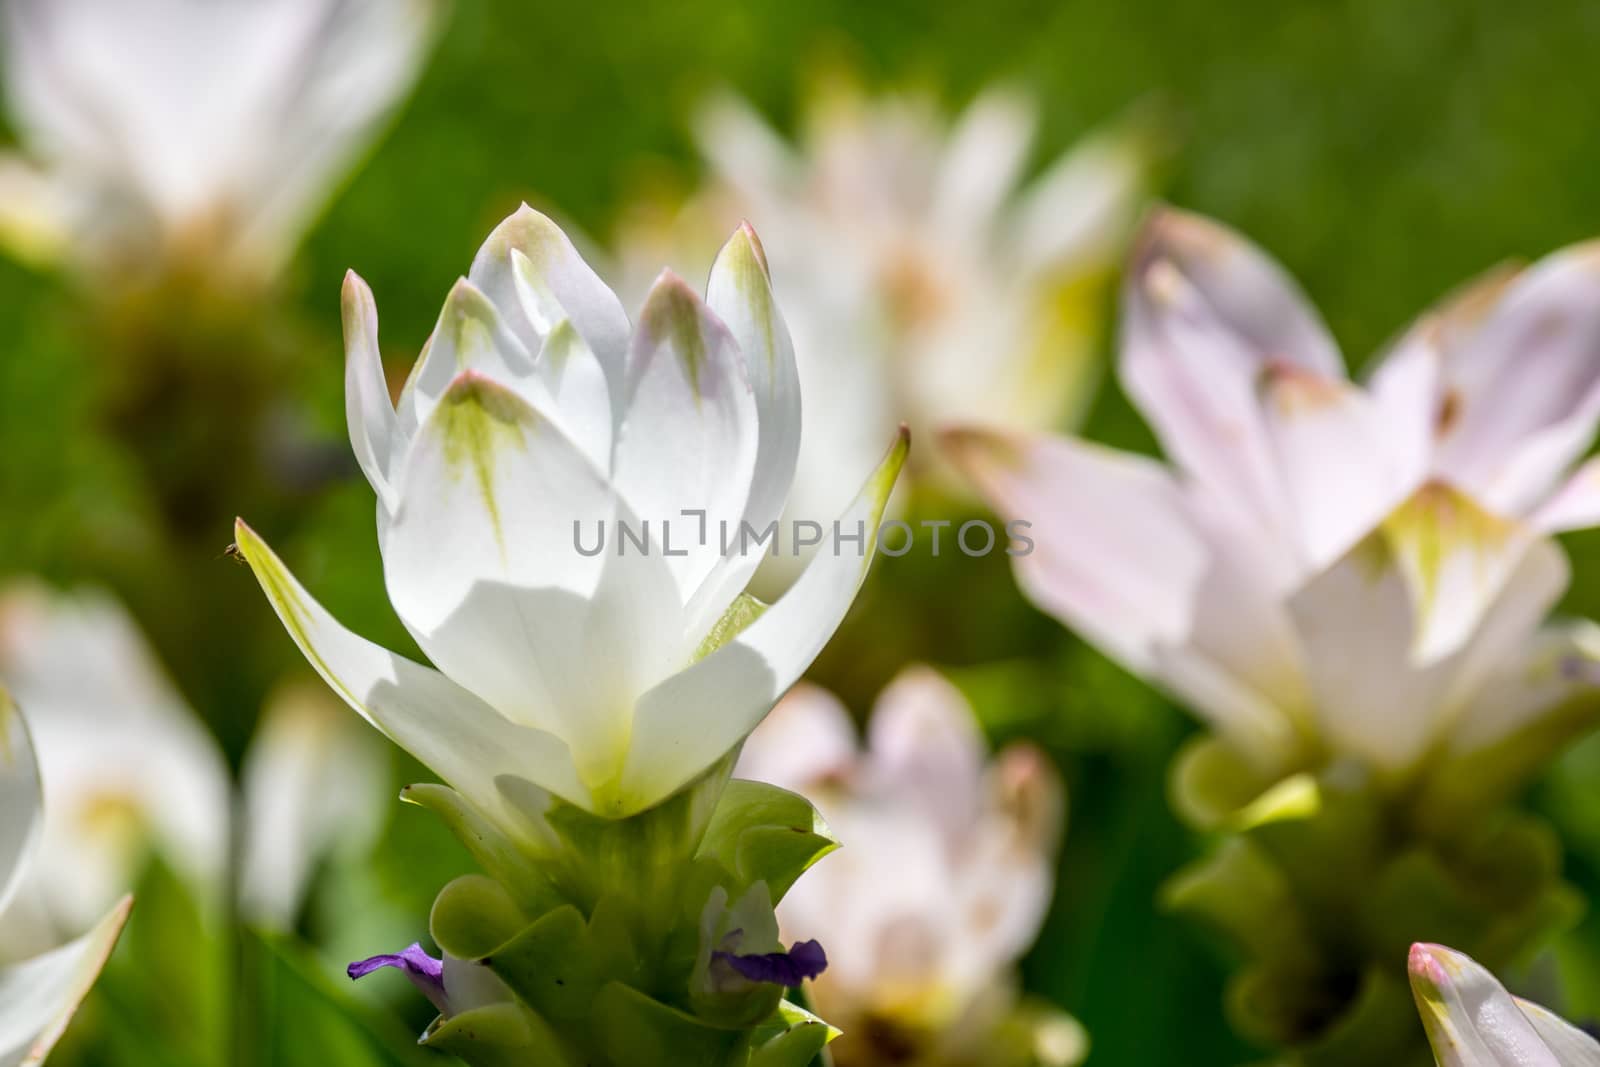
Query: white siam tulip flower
point(924, 282)
point(946, 870)
point(153, 128)
point(536, 421)
point(1473, 1022)
point(1325, 568)
point(38, 996)
point(95, 694)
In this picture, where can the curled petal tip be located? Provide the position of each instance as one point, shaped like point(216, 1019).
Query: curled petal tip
point(756, 247)
point(1426, 964)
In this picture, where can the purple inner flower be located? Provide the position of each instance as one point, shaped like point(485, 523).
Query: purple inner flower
point(804, 960)
point(425, 972)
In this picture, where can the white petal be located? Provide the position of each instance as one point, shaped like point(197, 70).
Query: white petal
point(1259, 729)
point(1115, 557)
point(483, 564)
point(1455, 558)
point(1244, 288)
point(1473, 1022)
point(740, 294)
point(1206, 315)
point(1077, 215)
point(531, 271)
point(925, 747)
point(368, 410)
point(38, 997)
point(1571, 1046)
point(1576, 505)
point(743, 149)
point(982, 160)
point(577, 383)
point(690, 437)
point(456, 735)
point(1404, 387)
point(21, 803)
point(1338, 469)
point(1524, 387)
point(470, 335)
point(1358, 623)
point(319, 108)
point(1531, 680)
point(1175, 593)
point(1408, 382)
point(691, 720)
point(806, 740)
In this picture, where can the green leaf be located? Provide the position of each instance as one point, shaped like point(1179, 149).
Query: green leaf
point(307, 1018)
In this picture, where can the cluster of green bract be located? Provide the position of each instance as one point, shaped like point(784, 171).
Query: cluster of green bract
point(606, 939)
point(1323, 884)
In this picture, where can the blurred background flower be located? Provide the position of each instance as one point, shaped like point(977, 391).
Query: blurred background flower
point(128, 770)
point(923, 279)
point(1312, 573)
point(1354, 609)
point(38, 995)
point(162, 130)
point(944, 876)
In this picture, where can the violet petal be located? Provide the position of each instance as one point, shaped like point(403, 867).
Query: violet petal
point(804, 960)
point(425, 972)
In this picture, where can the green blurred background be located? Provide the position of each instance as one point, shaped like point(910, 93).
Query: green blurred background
point(1384, 151)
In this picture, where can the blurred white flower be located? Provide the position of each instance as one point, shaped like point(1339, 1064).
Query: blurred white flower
point(218, 128)
point(38, 996)
point(945, 874)
point(127, 767)
point(314, 787)
point(1326, 569)
point(536, 426)
point(1473, 1022)
point(921, 284)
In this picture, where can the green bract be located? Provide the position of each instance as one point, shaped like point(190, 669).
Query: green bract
point(605, 942)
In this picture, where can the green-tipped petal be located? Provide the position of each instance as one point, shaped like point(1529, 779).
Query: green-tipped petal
point(1456, 559)
point(1473, 1022)
point(529, 267)
point(689, 435)
point(373, 424)
point(462, 739)
point(691, 720)
point(740, 293)
point(482, 562)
